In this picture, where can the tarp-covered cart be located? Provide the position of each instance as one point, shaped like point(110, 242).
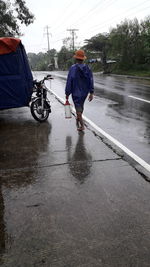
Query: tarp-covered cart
point(16, 81)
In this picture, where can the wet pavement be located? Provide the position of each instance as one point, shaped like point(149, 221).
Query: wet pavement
point(119, 108)
point(66, 199)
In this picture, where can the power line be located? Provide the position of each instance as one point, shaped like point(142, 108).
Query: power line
point(91, 11)
point(100, 26)
point(94, 10)
point(67, 16)
point(115, 20)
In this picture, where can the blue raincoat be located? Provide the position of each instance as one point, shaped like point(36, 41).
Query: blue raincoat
point(79, 83)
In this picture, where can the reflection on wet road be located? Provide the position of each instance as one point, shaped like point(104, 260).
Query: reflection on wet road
point(119, 110)
point(80, 161)
point(23, 144)
point(66, 199)
point(125, 86)
point(125, 118)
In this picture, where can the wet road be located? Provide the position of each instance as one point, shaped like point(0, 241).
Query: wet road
point(121, 107)
point(67, 199)
point(125, 113)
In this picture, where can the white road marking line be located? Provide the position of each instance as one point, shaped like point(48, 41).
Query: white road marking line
point(141, 99)
point(140, 161)
point(118, 144)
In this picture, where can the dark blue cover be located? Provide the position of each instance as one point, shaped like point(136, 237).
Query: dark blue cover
point(16, 81)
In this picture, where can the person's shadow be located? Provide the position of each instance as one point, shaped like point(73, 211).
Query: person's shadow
point(80, 161)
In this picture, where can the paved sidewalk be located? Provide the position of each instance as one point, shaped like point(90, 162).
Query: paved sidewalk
point(66, 199)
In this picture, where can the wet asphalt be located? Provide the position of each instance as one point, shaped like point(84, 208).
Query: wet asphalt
point(118, 108)
point(67, 199)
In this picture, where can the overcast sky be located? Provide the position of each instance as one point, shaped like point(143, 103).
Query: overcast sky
point(89, 17)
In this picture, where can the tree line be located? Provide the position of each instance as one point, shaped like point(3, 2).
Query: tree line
point(128, 44)
point(126, 48)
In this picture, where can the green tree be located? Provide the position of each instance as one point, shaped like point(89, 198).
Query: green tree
point(100, 43)
point(131, 44)
point(42, 61)
point(126, 43)
point(67, 42)
point(50, 58)
point(145, 40)
point(65, 58)
point(11, 13)
point(33, 60)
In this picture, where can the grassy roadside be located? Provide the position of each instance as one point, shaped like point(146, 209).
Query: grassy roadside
point(96, 67)
point(132, 73)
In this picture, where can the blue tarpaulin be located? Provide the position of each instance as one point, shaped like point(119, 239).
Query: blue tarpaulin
point(16, 81)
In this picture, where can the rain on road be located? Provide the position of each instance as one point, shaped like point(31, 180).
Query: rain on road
point(65, 196)
point(121, 107)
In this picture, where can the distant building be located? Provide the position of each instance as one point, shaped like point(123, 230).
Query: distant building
point(94, 60)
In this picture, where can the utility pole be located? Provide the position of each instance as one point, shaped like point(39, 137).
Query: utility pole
point(72, 31)
point(47, 33)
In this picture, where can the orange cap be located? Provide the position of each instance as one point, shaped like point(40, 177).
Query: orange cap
point(79, 54)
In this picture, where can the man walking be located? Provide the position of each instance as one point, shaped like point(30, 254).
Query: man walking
point(79, 84)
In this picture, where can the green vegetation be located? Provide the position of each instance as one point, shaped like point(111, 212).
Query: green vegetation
point(11, 14)
point(42, 61)
point(133, 73)
point(124, 50)
point(128, 44)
